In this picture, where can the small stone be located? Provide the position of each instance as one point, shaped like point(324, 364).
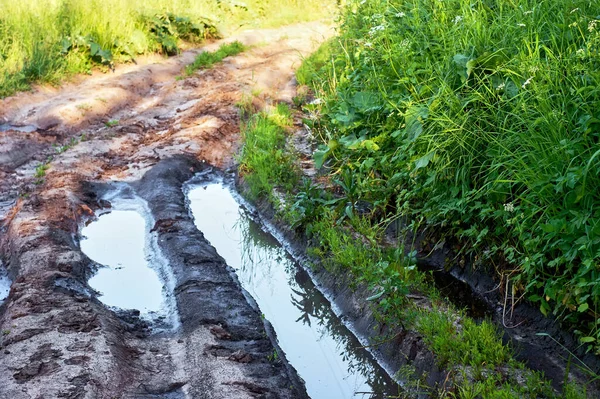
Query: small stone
point(219, 332)
point(240, 356)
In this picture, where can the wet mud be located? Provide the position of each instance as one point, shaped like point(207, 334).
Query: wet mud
point(58, 339)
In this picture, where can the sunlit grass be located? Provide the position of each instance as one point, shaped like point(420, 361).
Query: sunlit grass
point(479, 120)
point(46, 40)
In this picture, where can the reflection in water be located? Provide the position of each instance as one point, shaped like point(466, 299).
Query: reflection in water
point(323, 351)
point(135, 273)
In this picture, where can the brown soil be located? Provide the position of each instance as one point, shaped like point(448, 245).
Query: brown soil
point(58, 342)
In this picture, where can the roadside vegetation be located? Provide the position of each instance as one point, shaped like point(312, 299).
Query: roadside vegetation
point(347, 242)
point(481, 121)
point(48, 40)
point(478, 121)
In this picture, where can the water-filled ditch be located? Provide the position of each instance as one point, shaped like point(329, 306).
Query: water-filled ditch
point(132, 273)
point(318, 345)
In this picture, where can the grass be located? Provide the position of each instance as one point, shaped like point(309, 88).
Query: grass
point(480, 122)
point(264, 161)
point(346, 243)
point(48, 40)
point(207, 59)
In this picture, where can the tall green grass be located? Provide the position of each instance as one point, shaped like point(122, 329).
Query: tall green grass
point(482, 119)
point(45, 40)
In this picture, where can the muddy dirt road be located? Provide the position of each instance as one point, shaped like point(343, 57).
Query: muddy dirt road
point(147, 130)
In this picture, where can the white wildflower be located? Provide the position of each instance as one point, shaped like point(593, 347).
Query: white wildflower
point(509, 207)
point(317, 101)
point(527, 82)
point(592, 25)
point(574, 24)
point(533, 69)
point(368, 44)
point(458, 19)
point(376, 29)
point(405, 44)
point(401, 15)
point(580, 52)
point(501, 86)
point(528, 12)
point(521, 25)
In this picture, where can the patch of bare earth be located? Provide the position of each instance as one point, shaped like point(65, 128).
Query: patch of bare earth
point(57, 342)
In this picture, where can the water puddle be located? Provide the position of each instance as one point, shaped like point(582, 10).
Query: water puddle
point(5, 284)
point(324, 352)
point(134, 274)
point(25, 129)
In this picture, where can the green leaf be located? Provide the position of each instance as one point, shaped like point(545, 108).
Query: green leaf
point(94, 49)
point(66, 45)
point(583, 307)
point(366, 101)
point(376, 296)
point(464, 65)
point(587, 340)
point(349, 212)
point(414, 117)
point(138, 41)
point(106, 56)
point(424, 160)
point(320, 156)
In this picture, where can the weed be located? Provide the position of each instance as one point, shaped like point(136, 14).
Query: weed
point(245, 105)
point(72, 142)
point(111, 123)
point(273, 357)
point(478, 120)
point(207, 59)
point(263, 159)
point(40, 170)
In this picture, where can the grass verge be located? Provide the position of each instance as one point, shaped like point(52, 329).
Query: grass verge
point(346, 242)
point(478, 121)
point(264, 160)
point(207, 59)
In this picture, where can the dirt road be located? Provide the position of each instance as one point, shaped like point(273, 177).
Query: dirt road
point(148, 127)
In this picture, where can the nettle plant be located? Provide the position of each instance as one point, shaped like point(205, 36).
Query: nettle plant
point(482, 119)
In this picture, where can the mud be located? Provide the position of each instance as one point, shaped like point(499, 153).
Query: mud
point(58, 340)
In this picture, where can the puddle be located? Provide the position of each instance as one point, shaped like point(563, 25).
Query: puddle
point(5, 284)
point(324, 352)
point(25, 129)
point(134, 275)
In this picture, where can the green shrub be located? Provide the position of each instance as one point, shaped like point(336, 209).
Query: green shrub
point(480, 119)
